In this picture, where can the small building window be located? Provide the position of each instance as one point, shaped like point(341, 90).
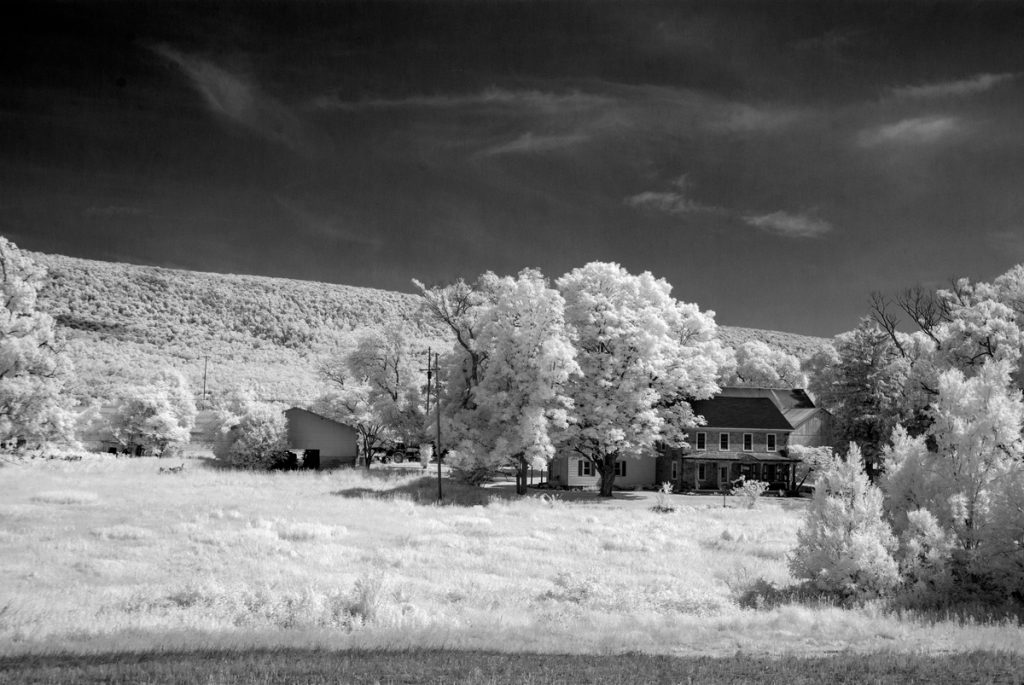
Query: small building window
point(675, 470)
point(702, 472)
point(748, 442)
point(723, 442)
point(771, 442)
point(620, 468)
point(702, 441)
point(584, 467)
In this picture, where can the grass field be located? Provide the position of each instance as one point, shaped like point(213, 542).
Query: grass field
point(491, 668)
point(111, 556)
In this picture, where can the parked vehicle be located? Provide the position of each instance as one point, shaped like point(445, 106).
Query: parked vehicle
point(388, 451)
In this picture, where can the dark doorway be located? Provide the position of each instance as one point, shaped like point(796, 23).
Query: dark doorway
point(311, 459)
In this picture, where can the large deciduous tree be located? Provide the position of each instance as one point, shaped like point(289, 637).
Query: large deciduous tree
point(378, 388)
point(524, 360)
point(642, 356)
point(32, 369)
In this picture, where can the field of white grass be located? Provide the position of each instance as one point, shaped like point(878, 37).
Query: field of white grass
point(110, 554)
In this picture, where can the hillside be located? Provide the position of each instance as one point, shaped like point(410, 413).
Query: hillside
point(123, 321)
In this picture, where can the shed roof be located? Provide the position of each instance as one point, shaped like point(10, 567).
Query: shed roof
point(741, 412)
point(313, 413)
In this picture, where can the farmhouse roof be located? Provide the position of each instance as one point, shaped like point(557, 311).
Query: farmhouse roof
point(759, 413)
point(794, 403)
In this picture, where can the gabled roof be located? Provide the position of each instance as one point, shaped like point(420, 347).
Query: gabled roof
point(759, 413)
point(785, 399)
point(795, 404)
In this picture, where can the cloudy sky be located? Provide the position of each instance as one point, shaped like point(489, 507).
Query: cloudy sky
point(776, 162)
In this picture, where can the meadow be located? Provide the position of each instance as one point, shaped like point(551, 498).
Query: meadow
point(112, 555)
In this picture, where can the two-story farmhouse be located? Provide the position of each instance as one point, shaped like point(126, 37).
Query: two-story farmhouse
point(746, 432)
point(742, 436)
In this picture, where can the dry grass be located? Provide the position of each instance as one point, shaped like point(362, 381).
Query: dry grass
point(105, 554)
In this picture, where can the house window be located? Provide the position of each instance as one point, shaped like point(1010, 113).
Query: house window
point(723, 442)
point(584, 467)
point(702, 441)
point(620, 468)
point(771, 442)
point(748, 442)
point(702, 472)
point(675, 470)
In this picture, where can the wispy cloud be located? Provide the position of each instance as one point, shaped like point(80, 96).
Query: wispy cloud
point(743, 118)
point(529, 143)
point(789, 225)
point(491, 97)
point(234, 98)
point(915, 131)
point(676, 202)
point(963, 87)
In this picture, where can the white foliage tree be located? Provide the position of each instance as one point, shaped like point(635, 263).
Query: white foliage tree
point(526, 358)
point(158, 416)
point(968, 484)
point(642, 355)
point(758, 365)
point(844, 546)
point(33, 405)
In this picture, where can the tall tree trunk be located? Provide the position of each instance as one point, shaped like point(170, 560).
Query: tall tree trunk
point(367, 457)
point(607, 470)
point(521, 474)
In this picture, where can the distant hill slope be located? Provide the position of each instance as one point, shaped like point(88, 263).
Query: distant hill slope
point(125, 321)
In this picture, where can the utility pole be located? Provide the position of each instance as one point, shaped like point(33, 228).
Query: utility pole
point(206, 364)
point(437, 408)
point(429, 372)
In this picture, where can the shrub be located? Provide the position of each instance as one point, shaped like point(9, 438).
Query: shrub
point(662, 504)
point(469, 468)
point(845, 547)
point(751, 490)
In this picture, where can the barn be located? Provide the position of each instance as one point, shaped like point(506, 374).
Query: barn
point(326, 443)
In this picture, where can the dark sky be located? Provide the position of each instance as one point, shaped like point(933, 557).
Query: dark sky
point(776, 162)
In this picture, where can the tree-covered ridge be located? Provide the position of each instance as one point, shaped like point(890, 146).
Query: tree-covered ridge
point(153, 304)
point(122, 321)
point(800, 346)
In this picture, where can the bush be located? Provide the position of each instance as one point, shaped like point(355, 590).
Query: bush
point(751, 490)
point(255, 438)
point(469, 468)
